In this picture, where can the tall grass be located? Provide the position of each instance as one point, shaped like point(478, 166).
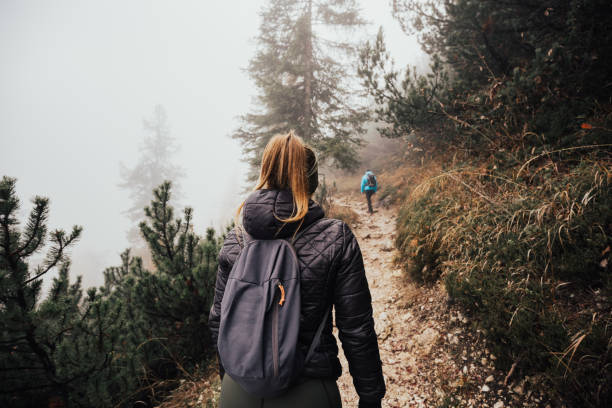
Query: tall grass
point(526, 250)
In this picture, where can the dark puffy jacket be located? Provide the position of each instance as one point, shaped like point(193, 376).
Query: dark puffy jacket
point(332, 272)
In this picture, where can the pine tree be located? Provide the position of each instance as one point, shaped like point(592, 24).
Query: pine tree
point(51, 348)
point(304, 80)
point(107, 347)
point(178, 296)
point(164, 311)
point(153, 167)
point(506, 72)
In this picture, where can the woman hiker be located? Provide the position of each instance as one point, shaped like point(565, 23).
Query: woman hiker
point(331, 274)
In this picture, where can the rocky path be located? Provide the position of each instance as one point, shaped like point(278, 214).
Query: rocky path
point(431, 357)
point(402, 337)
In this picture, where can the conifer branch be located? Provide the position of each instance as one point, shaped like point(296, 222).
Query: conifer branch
point(56, 253)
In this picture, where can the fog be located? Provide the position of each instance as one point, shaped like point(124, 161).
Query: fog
point(78, 77)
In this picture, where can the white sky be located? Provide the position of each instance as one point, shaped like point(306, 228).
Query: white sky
point(78, 76)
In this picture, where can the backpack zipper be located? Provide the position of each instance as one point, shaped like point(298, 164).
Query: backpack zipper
point(275, 336)
point(282, 289)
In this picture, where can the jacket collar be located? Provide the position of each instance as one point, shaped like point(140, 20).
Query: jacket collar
point(262, 207)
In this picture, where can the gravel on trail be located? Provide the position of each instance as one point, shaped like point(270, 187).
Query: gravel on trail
point(432, 355)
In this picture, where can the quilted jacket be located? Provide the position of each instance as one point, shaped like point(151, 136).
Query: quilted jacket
point(332, 273)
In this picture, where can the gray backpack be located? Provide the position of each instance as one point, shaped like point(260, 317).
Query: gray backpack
point(371, 180)
point(260, 318)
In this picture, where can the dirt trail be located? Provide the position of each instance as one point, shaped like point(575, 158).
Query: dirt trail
point(402, 337)
point(431, 358)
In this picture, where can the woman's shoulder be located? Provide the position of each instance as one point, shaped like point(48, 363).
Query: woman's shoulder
point(231, 244)
point(340, 224)
point(334, 229)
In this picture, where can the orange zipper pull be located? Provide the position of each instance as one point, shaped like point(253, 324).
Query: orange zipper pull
point(282, 299)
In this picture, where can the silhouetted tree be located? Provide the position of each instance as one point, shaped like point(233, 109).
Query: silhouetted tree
point(304, 81)
point(153, 167)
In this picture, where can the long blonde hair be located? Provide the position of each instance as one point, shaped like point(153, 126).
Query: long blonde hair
point(284, 167)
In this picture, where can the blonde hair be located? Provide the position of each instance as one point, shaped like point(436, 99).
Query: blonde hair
point(284, 167)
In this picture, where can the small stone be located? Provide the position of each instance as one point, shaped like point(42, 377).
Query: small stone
point(427, 339)
point(490, 379)
point(499, 404)
point(452, 339)
point(492, 357)
point(485, 388)
point(464, 369)
point(483, 361)
point(519, 390)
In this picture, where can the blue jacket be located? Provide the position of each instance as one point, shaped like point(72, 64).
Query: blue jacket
point(364, 181)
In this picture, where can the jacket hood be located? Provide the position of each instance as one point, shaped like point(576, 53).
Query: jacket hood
point(261, 207)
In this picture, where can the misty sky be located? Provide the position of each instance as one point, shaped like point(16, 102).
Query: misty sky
point(77, 78)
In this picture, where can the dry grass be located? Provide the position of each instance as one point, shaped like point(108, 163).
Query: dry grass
point(344, 213)
point(521, 248)
point(200, 391)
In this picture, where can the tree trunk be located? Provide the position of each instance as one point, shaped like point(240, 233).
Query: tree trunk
point(308, 74)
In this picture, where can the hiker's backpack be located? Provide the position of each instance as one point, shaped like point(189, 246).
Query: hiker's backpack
point(260, 318)
point(371, 180)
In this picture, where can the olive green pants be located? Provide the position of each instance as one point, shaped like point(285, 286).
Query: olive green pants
point(313, 393)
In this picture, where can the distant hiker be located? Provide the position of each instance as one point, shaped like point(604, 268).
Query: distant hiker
point(369, 185)
point(275, 342)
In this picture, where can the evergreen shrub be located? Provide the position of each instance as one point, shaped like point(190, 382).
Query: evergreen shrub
point(418, 239)
point(529, 262)
point(127, 341)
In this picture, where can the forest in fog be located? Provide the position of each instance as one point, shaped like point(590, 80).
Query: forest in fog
point(499, 179)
